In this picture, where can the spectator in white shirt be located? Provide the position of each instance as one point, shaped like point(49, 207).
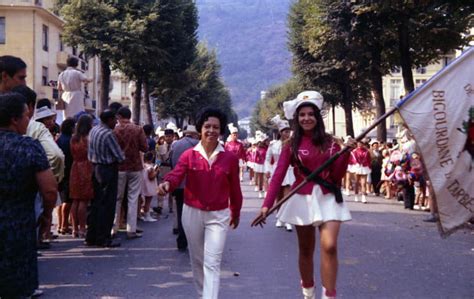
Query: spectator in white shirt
point(70, 83)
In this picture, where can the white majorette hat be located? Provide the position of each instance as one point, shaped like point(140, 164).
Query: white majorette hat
point(232, 129)
point(172, 126)
point(308, 96)
point(43, 112)
point(159, 132)
point(260, 137)
point(252, 140)
point(282, 124)
point(373, 141)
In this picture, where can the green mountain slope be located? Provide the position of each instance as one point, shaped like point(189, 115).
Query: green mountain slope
point(251, 43)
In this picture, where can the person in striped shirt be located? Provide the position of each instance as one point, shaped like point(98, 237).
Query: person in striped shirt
point(105, 154)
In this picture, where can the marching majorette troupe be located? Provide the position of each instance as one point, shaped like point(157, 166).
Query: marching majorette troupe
point(101, 176)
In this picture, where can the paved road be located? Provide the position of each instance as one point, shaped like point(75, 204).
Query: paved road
point(384, 252)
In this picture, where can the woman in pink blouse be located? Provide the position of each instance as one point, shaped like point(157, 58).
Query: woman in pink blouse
point(319, 203)
point(212, 199)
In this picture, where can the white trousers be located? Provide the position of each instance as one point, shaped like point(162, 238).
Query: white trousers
point(134, 181)
point(206, 232)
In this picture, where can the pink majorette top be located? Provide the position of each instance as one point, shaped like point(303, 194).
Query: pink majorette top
point(260, 155)
point(237, 148)
point(311, 157)
point(360, 156)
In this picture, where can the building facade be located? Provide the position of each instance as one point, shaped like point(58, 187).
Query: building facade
point(30, 30)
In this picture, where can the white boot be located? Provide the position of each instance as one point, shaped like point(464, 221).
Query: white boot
point(256, 188)
point(364, 199)
point(288, 227)
point(279, 223)
point(260, 194)
point(325, 296)
point(308, 293)
point(356, 198)
point(148, 218)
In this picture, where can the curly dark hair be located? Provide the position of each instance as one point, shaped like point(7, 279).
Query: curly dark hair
point(211, 112)
point(12, 105)
point(320, 138)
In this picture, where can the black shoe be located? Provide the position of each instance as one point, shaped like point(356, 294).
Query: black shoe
point(139, 230)
point(431, 219)
point(157, 210)
point(175, 231)
point(182, 249)
point(110, 244)
point(89, 243)
point(131, 236)
point(43, 245)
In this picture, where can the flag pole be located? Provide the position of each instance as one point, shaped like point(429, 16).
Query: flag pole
point(260, 219)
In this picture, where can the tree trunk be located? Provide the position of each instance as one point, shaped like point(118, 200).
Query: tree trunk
point(347, 106)
point(377, 90)
point(179, 121)
point(405, 58)
point(146, 100)
point(104, 86)
point(136, 101)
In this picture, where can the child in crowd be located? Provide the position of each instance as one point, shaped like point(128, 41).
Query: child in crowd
point(150, 171)
point(419, 182)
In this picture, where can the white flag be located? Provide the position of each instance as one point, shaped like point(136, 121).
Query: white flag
point(440, 115)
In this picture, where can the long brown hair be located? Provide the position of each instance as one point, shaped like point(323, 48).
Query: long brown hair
point(319, 138)
point(83, 127)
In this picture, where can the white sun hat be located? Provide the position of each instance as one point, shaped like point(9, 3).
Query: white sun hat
point(308, 96)
point(43, 112)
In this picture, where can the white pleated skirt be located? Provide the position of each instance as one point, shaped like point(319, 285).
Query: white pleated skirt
point(313, 209)
point(289, 177)
point(260, 168)
point(241, 163)
point(250, 164)
point(359, 169)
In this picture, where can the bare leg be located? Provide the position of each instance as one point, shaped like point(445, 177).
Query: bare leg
point(65, 210)
point(306, 243)
point(363, 182)
point(60, 218)
point(74, 216)
point(329, 232)
point(356, 187)
point(146, 207)
point(260, 181)
point(348, 182)
point(82, 215)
